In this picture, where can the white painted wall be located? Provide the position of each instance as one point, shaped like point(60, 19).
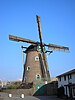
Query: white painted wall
point(62, 82)
point(66, 82)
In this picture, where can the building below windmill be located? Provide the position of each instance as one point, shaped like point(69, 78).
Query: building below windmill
point(67, 81)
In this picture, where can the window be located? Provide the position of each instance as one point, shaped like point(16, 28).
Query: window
point(69, 76)
point(64, 77)
point(59, 78)
point(38, 76)
point(36, 58)
point(28, 68)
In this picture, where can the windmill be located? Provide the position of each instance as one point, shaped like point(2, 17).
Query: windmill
point(35, 66)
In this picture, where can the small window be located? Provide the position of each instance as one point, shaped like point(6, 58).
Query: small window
point(59, 78)
point(65, 78)
point(69, 76)
point(28, 68)
point(36, 58)
point(38, 76)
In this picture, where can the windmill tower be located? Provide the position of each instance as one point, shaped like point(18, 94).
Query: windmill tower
point(36, 67)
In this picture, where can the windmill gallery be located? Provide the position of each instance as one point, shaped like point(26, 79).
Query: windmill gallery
point(36, 66)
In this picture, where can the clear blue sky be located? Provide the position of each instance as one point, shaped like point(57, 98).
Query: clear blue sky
point(18, 17)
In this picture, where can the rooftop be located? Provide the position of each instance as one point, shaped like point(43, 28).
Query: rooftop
point(67, 73)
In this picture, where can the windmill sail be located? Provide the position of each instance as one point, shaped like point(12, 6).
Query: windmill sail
point(57, 47)
point(41, 45)
point(19, 39)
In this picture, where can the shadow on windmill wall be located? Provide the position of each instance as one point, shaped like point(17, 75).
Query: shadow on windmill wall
point(47, 89)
